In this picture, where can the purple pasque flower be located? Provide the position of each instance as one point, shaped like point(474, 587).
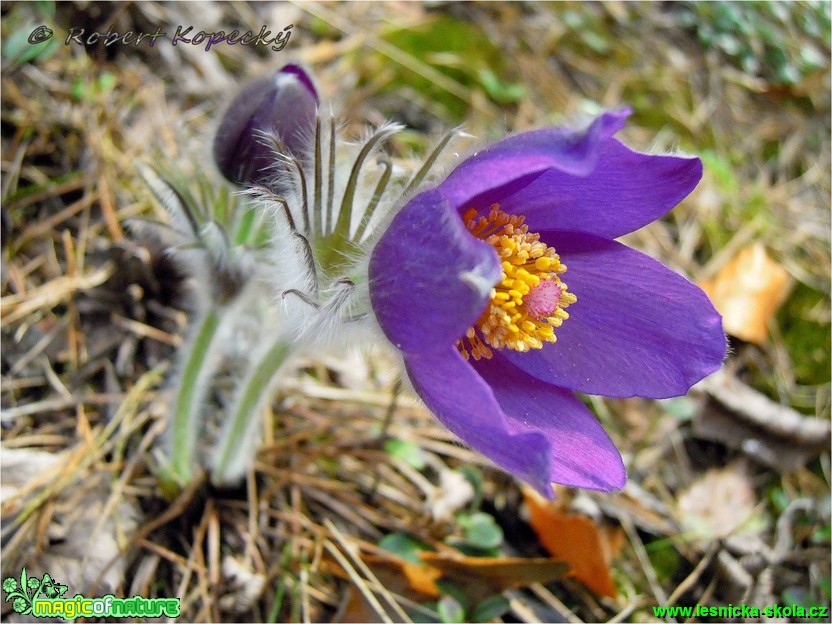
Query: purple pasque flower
point(284, 107)
point(470, 280)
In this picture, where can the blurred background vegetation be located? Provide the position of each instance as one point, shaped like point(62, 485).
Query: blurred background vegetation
point(91, 313)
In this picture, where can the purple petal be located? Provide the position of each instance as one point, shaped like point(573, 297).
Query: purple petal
point(625, 191)
point(506, 166)
point(429, 278)
point(531, 429)
point(285, 105)
point(637, 329)
point(582, 453)
point(300, 74)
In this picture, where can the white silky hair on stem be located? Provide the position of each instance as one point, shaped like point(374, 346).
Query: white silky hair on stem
point(321, 259)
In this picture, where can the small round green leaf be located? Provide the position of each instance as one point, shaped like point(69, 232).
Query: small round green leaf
point(490, 608)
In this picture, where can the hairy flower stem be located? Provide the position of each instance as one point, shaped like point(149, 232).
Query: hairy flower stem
point(186, 425)
point(236, 446)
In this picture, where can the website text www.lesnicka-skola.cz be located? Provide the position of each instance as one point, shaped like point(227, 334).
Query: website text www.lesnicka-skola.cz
point(730, 611)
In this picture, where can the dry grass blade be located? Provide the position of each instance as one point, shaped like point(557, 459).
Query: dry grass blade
point(142, 329)
point(90, 453)
point(359, 582)
point(356, 558)
point(174, 510)
point(643, 559)
point(627, 611)
point(45, 297)
point(38, 407)
point(40, 229)
point(693, 577)
point(556, 603)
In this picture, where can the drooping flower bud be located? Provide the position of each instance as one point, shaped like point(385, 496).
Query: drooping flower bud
point(283, 105)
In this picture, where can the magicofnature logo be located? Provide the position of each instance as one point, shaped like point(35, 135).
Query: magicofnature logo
point(22, 595)
point(43, 597)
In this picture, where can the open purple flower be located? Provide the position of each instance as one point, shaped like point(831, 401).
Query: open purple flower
point(470, 280)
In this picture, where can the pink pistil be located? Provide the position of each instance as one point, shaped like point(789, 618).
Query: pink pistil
point(543, 299)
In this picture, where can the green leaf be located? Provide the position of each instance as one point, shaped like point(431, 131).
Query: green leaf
point(480, 530)
point(469, 550)
point(79, 89)
point(595, 42)
point(447, 587)
point(16, 46)
point(106, 82)
point(244, 225)
point(665, 558)
point(822, 536)
point(404, 546)
point(500, 92)
point(450, 611)
point(797, 596)
point(459, 50)
point(779, 499)
point(421, 617)
point(475, 478)
point(721, 168)
point(408, 452)
point(806, 331)
point(18, 50)
point(84, 89)
point(45, 10)
point(490, 608)
point(681, 408)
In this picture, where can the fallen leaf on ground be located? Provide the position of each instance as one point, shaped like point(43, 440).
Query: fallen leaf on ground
point(748, 291)
point(718, 503)
point(496, 573)
point(414, 582)
point(479, 578)
point(577, 540)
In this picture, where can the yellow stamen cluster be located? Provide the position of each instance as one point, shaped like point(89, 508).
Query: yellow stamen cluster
point(528, 303)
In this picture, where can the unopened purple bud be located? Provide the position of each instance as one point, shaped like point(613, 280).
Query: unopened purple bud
point(284, 106)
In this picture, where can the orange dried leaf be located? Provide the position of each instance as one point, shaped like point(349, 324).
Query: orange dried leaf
point(577, 540)
point(498, 573)
point(392, 571)
point(479, 577)
point(422, 578)
point(414, 582)
point(748, 291)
